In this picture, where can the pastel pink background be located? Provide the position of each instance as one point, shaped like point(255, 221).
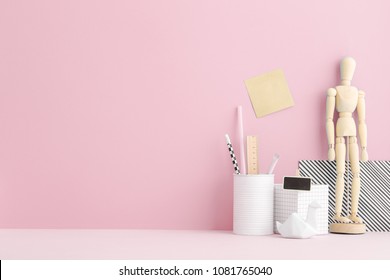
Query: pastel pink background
point(113, 113)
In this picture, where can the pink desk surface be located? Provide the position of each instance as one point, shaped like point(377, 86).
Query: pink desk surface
point(184, 244)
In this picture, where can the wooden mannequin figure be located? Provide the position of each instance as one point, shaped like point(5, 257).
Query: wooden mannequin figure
point(346, 99)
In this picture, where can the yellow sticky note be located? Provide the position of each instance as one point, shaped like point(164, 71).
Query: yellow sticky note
point(269, 93)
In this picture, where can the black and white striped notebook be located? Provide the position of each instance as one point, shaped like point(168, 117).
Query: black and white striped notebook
point(374, 201)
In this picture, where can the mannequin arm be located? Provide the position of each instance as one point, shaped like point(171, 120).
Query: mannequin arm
point(361, 110)
point(330, 107)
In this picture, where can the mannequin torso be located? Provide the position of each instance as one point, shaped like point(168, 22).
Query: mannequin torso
point(346, 103)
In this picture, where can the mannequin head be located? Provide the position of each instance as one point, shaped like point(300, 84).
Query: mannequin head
point(347, 69)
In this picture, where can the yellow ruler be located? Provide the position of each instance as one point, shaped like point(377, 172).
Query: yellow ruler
point(251, 152)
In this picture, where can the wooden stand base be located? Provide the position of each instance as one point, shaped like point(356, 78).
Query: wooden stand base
point(347, 228)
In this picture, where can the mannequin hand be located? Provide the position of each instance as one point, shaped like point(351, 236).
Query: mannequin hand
point(331, 154)
point(364, 154)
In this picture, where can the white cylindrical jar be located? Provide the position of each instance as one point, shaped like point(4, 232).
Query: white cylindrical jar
point(253, 209)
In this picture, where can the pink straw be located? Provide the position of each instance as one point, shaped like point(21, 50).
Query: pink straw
point(241, 139)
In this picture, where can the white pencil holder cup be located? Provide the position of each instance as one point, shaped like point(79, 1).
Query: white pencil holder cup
point(253, 209)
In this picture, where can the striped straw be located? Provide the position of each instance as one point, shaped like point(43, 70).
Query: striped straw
point(232, 155)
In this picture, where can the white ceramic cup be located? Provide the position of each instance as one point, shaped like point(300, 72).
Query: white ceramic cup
point(253, 209)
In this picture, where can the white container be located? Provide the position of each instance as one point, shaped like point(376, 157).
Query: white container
point(295, 201)
point(253, 208)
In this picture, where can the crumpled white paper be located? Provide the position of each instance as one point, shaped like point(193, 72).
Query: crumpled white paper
point(296, 227)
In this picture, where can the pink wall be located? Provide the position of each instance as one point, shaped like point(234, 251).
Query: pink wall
point(113, 113)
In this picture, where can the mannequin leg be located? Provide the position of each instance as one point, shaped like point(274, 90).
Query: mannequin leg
point(340, 166)
point(354, 158)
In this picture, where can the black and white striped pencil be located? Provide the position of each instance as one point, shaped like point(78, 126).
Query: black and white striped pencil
point(232, 155)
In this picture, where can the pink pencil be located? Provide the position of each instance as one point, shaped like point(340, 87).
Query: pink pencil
point(241, 139)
